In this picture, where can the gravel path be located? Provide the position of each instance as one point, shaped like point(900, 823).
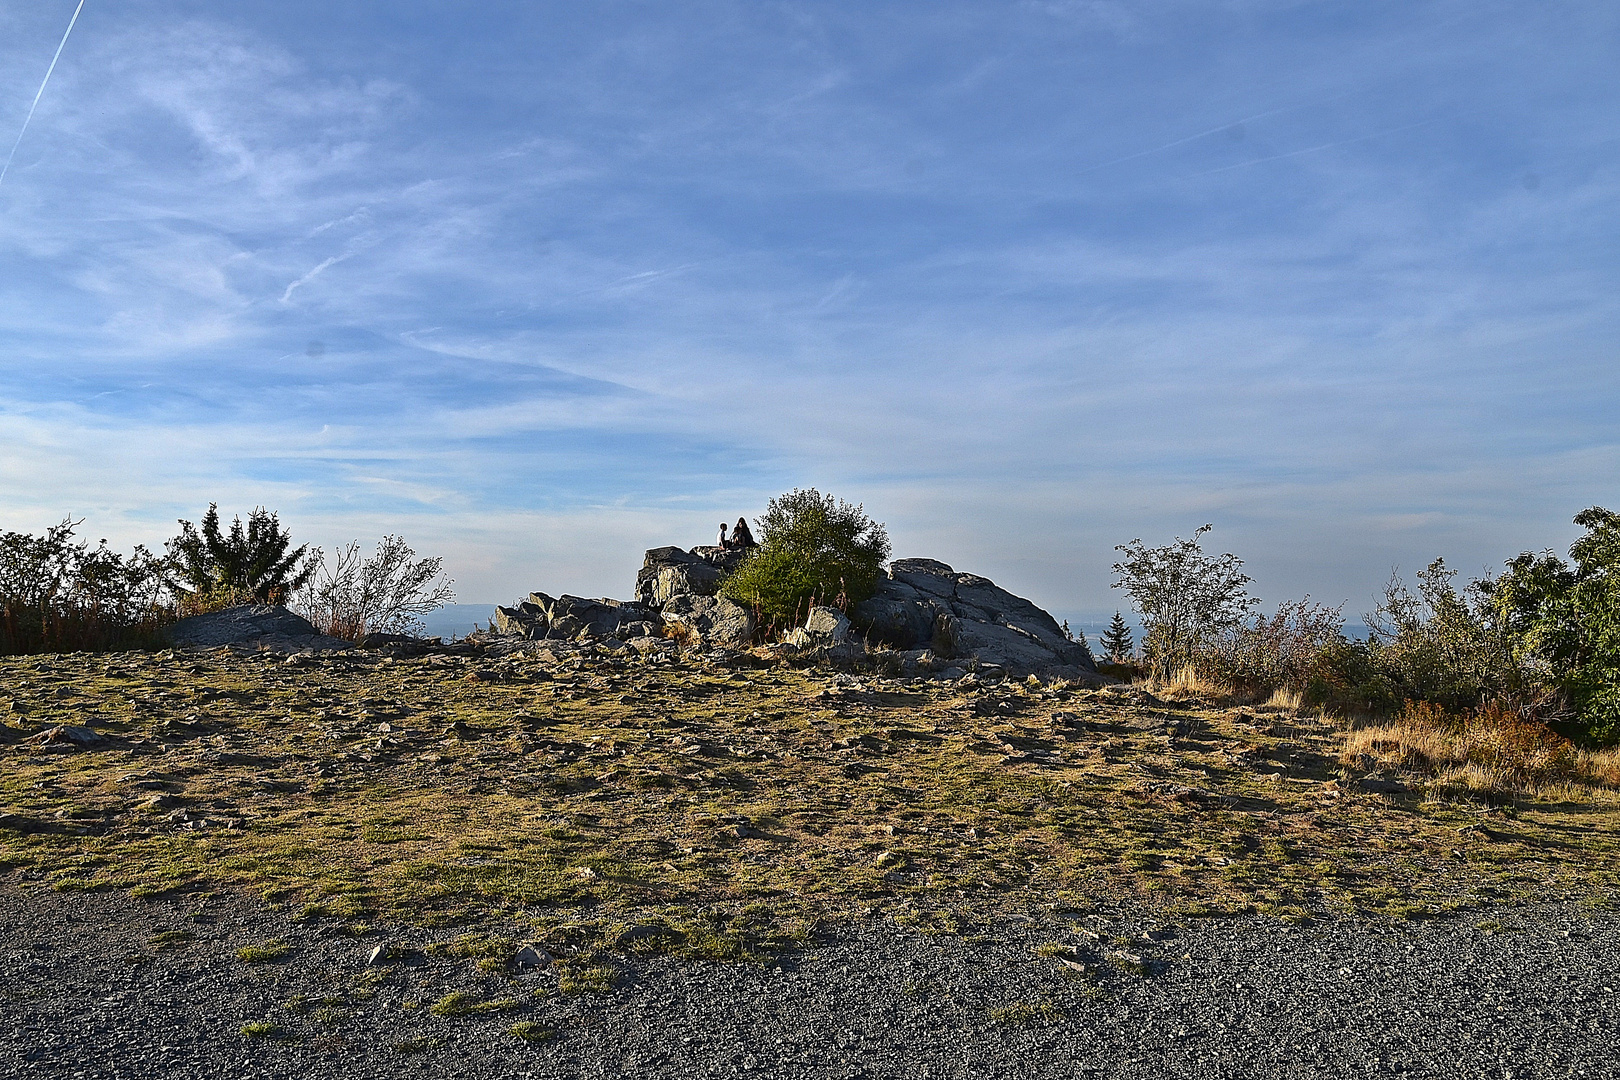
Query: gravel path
point(85, 991)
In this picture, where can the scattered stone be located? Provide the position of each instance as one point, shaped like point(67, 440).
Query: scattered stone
point(66, 735)
point(377, 956)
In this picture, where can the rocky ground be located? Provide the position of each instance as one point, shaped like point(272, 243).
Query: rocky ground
point(724, 868)
point(110, 986)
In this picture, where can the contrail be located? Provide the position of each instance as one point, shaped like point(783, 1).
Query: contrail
point(42, 82)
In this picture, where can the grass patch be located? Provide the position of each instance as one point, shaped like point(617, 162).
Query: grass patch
point(464, 1003)
point(260, 1029)
point(531, 1032)
point(1023, 1014)
point(263, 952)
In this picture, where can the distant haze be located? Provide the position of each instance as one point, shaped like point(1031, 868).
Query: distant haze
point(540, 286)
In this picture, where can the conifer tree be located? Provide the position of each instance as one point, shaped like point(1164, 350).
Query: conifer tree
point(1117, 641)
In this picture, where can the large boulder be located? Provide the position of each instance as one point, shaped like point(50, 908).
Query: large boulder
point(709, 621)
point(261, 626)
point(668, 572)
point(923, 603)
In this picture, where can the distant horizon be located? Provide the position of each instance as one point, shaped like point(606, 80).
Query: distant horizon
point(538, 287)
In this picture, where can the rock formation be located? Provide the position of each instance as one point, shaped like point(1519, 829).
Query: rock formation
point(924, 604)
point(934, 615)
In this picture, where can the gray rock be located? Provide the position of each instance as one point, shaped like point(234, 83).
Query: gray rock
point(377, 956)
point(67, 735)
point(924, 603)
point(710, 621)
point(529, 958)
point(827, 624)
point(263, 625)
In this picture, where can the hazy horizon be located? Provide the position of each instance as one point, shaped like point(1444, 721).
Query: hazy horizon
point(541, 286)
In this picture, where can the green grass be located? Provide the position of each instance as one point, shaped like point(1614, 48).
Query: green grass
point(529, 1031)
point(464, 1003)
point(263, 952)
point(260, 1029)
point(1026, 1014)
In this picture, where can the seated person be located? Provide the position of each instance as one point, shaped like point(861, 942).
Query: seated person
point(723, 541)
point(740, 536)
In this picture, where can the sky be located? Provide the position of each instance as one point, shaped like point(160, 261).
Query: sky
point(540, 285)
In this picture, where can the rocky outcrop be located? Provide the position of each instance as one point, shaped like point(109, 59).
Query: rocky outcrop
point(922, 607)
point(260, 626)
point(924, 604)
point(668, 572)
point(565, 618)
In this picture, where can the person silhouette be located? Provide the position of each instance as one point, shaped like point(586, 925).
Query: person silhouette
point(723, 541)
point(740, 536)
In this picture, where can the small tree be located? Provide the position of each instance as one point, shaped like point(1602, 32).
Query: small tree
point(387, 593)
point(1184, 596)
point(813, 549)
point(1117, 641)
point(253, 563)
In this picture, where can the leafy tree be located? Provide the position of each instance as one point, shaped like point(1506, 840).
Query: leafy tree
point(1117, 640)
point(1184, 596)
point(251, 563)
point(387, 593)
point(1563, 621)
point(813, 549)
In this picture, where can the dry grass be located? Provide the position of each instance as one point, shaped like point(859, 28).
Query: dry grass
point(1493, 752)
point(621, 803)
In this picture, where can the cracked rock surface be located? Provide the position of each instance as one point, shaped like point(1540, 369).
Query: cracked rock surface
point(104, 985)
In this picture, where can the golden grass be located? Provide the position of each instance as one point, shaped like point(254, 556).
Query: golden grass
point(1493, 752)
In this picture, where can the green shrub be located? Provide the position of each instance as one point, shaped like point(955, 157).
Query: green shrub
point(814, 549)
point(1563, 621)
point(1185, 597)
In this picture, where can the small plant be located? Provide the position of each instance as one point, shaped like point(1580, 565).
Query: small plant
point(169, 939)
point(259, 1029)
point(580, 977)
point(531, 1032)
point(1026, 1014)
point(421, 1044)
point(463, 1003)
point(263, 952)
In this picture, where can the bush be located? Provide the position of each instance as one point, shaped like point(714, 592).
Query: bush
point(387, 593)
point(1563, 621)
point(1442, 645)
point(213, 569)
point(58, 595)
point(1283, 652)
point(1185, 597)
point(813, 549)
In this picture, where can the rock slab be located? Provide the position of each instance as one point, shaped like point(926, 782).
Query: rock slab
point(266, 626)
point(923, 603)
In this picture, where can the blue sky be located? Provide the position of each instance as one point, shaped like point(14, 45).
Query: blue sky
point(541, 285)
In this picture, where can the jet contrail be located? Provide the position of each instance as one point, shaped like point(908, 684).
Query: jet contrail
point(42, 82)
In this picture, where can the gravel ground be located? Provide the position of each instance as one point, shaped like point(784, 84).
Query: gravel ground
point(86, 991)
